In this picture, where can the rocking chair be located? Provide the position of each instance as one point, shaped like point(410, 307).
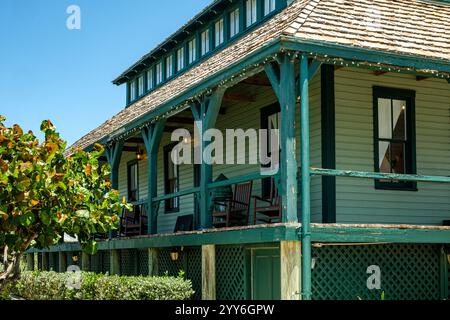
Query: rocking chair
point(236, 210)
point(133, 223)
point(272, 210)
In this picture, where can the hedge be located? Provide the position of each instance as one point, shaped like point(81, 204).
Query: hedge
point(37, 285)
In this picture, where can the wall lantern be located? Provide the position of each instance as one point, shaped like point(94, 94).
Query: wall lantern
point(75, 258)
point(175, 253)
point(139, 154)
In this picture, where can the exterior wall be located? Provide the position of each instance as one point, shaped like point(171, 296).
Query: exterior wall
point(243, 115)
point(357, 199)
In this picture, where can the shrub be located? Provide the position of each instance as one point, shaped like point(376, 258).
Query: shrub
point(54, 286)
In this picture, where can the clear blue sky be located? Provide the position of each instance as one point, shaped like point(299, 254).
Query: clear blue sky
point(50, 72)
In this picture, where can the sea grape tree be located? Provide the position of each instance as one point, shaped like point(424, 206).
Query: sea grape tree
point(45, 194)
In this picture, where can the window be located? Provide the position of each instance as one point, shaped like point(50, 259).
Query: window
point(169, 66)
point(159, 73)
point(132, 90)
point(394, 135)
point(140, 86)
point(270, 120)
point(180, 59)
point(150, 80)
point(171, 179)
point(269, 6)
point(251, 6)
point(192, 51)
point(219, 34)
point(133, 181)
point(234, 23)
point(205, 42)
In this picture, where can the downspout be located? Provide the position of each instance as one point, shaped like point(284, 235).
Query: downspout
point(306, 178)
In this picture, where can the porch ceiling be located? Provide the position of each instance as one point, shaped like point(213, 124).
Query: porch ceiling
point(408, 28)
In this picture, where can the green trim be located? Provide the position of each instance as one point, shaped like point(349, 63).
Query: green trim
point(328, 129)
point(378, 175)
point(410, 143)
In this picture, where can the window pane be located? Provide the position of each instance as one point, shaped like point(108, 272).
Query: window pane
point(159, 73)
point(141, 85)
point(219, 32)
point(192, 51)
point(150, 79)
point(399, 123)
point(205, 42)
point(384, 157)
point(169, 66)
point(251, 12)
point(133, 90)
point(384, 119)
point(180, 59)
point(398, 158)
point(269, 6)
point(234, 23)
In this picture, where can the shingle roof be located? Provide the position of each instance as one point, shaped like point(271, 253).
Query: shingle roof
point(409, 27)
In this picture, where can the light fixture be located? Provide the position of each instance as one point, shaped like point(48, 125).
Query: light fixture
point(75, 258)
point(139, 153)
point(174, 255)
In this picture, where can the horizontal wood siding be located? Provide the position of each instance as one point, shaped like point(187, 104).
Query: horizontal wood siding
point(357, 199)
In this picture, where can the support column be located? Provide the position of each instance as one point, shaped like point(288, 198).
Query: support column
point(153, 262)
point(30, 262)
point(290, 258)
point(62, 262)
point(114, 154)
point(444, 274)
point(114, 266)
point(205, 115)
point(283, 84)
point(85, 262)
point(209, 272)
point(152, 140)
point(306, 178)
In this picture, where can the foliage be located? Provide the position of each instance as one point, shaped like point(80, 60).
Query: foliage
point(53, 286)
point(44, 194)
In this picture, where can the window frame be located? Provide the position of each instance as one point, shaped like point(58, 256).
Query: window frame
point(237, 22)
point(167, 159)
point(150, 73)
point(207, 42)
point(265, 114)
point(410, 144)
point(252, 10)
point(129, 165)
point(219, 41)
point(141, 85)
point(267, 11)
point(180, 58)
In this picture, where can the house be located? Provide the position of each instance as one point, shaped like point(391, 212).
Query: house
point(360, 94)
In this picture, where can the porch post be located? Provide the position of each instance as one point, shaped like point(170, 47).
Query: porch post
point(205, 115)
point(306, 179)
point(444, 274)
point(45, 264)
point(284, 88)
point(113, 155)
point(62, 262)
point(153, 262)
point(290, 258)
point(209, 272)
point(114, 268)
point(30, 262)
point(85, 261)
point(152, 140)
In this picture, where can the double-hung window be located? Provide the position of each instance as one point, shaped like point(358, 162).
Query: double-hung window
point(140, 86)
point(171, 179)
point(219, 33)
point(192, 51)
point(133, 181)
point(169, 67)
point(251, 7)
point(159, 73)
point(204, 42)
point(269, 6)
point(150, 79)
point(394, 135)
point(234, 23)
point(180, 59)
point(132, 90)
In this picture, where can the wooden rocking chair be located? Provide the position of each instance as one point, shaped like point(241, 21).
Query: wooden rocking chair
point(271, 212)
point(133, 223)
point(236, 210)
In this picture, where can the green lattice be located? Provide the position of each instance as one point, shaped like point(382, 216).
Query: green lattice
point(96, 263)
point(105, 261)
point(166, 265)
point(408, 272)
point(231, 273)
point(142, 262)
point(194, 271)
point(40, 267)
point(128, 262)
point(53, 261)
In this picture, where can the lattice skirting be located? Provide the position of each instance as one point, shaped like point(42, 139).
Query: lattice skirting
point(408, 272)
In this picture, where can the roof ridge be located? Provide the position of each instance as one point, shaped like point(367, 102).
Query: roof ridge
point(302, 17)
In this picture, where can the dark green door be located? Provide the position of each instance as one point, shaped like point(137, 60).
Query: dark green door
point(266, 274)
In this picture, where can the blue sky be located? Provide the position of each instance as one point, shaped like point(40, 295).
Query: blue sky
point(50, 72)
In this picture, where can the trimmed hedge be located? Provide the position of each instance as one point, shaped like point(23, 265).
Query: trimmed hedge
point(39, 285)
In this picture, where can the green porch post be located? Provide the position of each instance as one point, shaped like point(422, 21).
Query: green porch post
point(45, 262)
point(306, 178)
point(284, 88)
point(205, 115)
point(152, 139)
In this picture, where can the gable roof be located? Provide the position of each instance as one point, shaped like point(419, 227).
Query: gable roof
point(407, 27)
